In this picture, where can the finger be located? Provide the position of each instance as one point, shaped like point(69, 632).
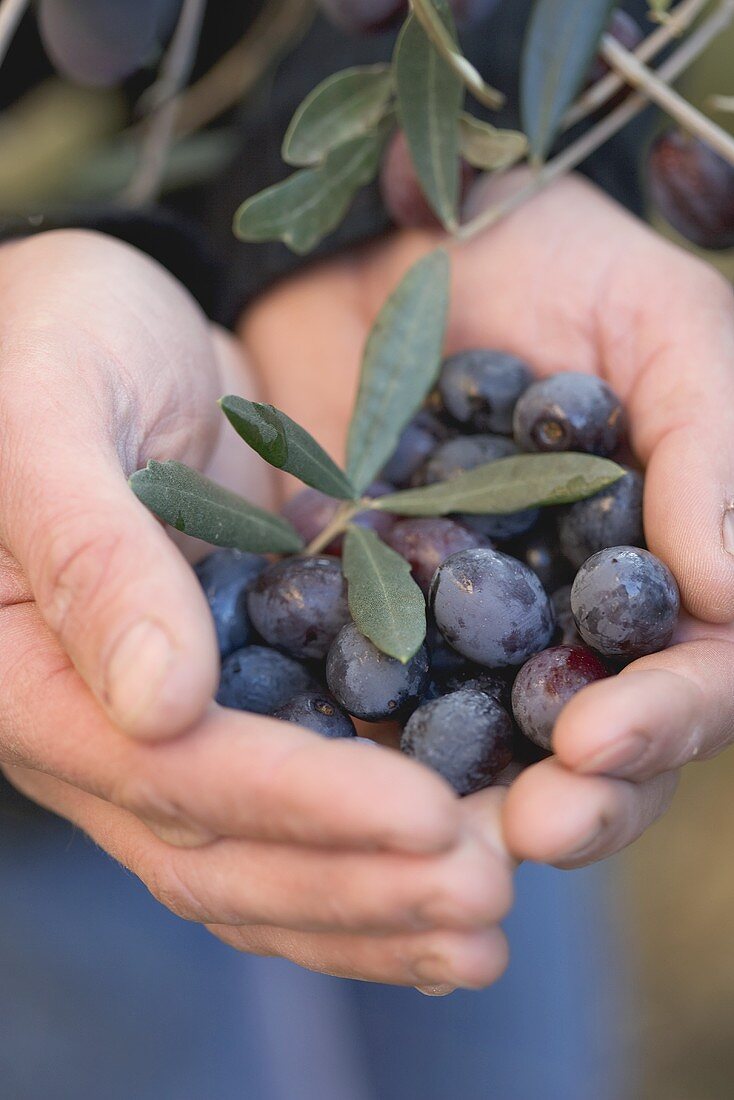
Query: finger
point(554, 816)
point(660, 713)
point(435, 962)
point(234, 774)
point(245, 882)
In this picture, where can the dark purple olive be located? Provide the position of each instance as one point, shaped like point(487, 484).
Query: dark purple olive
point(693, 188)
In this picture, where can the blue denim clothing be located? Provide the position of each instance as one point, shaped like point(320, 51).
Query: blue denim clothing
point(104, 995)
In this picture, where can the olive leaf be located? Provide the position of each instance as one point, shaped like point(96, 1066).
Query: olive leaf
point(346, 105)
point(308, 205)
point(384, 600)
point(509, 485)
point(286, 445)
point(431, 18)
point(560, 42)
point(487, 148)
point(401, 363)
point(429, 97)
point(197, 506)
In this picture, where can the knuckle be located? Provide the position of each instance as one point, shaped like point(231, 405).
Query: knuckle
point(173, 888)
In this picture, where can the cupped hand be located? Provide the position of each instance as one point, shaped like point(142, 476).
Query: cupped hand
point(344, 857)
point(570, 281)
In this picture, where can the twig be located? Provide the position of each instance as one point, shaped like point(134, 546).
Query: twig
point(344, 513)
point(577, 152)
point(278, 25)
point(678, 21)
point(175, 71)
point(436, 32)
point(689, 117)
point(11, 13)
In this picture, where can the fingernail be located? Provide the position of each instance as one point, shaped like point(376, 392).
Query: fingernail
point(136, 670)
point(436, 990)
point(619, 759)
point(727, 530)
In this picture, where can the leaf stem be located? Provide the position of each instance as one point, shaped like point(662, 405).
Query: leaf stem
point(589, 142)
point(678, 21)
point(689, 117)
point(337, 526)
point(444, 44)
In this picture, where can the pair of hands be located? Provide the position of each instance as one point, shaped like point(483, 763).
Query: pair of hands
point(346, 859)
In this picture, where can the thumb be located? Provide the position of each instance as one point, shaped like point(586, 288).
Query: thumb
point(106, 578)
point(682, 415)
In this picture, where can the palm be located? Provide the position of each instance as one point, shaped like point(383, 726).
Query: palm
point(570, 282)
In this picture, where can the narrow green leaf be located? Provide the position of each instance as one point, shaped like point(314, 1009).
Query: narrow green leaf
point(560, 42)
point(384, 600)
point(509, 485)
point(344, 106)
point(401, 363)
point(429, 95)
point(307, 206)
point(439, 31)
point(286, 445)
point(487, 148)
point(197, 506)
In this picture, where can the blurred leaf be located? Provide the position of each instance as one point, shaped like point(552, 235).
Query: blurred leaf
point(509, 485)
point(344, 106)
point(303, 209)
point(487, 148)
point(401, 363)
point(429, 95)
point(384, 600)
point(431, 16)
point(45, 135)
point(560, 42)
point(286, 445)
point(191, 161)
point(197, 506)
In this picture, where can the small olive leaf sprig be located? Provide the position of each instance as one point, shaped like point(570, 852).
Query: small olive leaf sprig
point(401, 362)
point(338, 134)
